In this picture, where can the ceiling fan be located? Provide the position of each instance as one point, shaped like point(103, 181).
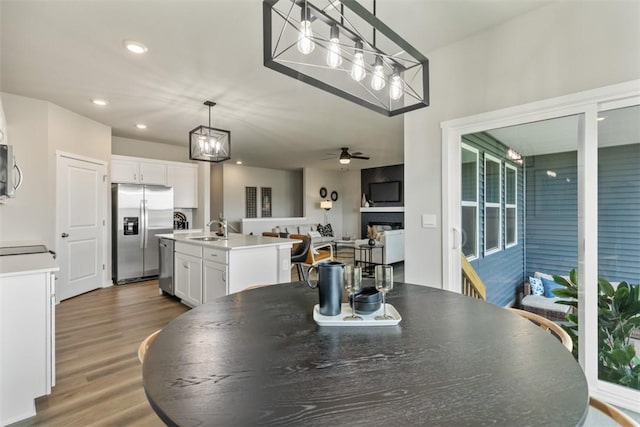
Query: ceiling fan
point(345, 156)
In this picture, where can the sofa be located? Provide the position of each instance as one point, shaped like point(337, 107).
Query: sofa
point(542, 305)
point(392, 242)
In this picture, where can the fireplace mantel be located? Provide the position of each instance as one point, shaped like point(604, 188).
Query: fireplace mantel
point(383, 209)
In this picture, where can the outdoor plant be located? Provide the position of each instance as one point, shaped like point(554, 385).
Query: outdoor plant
point(618, 315)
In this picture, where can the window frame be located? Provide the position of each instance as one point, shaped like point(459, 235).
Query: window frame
point(492, 205)
point(475, 204)
point(513, 206)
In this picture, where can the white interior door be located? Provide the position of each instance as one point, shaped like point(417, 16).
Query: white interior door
point(80, 225)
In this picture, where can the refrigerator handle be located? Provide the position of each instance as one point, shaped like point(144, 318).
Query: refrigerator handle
point(143, 224)
point(146, 223)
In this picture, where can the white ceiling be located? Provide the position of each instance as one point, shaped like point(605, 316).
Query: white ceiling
point(68, 52)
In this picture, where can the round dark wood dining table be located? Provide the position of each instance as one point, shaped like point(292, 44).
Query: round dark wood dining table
point(257, 358)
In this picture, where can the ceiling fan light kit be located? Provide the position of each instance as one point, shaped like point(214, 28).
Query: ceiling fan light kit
point(342, 48)
point(209, 144)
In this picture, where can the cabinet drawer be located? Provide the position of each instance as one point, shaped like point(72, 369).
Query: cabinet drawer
point(185, 248)
point(217, 255)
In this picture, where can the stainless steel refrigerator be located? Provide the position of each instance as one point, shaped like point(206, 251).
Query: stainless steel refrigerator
point(139, 214)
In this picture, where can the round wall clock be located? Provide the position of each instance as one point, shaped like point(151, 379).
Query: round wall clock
point(323, 192)
point(334, 195)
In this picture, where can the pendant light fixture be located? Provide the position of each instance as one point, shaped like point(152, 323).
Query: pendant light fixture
point(209, 144)
point(335, 45)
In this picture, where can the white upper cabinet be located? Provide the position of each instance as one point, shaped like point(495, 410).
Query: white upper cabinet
point(183, 177)
point(184, 180)
point(153, 173)
point(138, 171)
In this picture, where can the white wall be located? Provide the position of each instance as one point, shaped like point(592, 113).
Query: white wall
point(555, 50)
point(37, 129)
point(150, 150)
point(342, 215)
point(285, 191)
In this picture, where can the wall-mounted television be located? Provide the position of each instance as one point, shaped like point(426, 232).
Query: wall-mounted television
point(389, 191)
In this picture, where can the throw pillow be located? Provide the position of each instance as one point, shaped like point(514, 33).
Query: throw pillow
point(328, 230)
point(321, 230)
point(537, 288)
point(549, 285)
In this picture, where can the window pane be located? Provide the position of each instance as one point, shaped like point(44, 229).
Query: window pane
point(618, 243)
point(510, 185)
point(469, 231)
point(469, 175)
point(492, 181)
point(510, 221)
point(492, 228)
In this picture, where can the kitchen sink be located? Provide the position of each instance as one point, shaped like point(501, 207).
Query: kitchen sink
point(206, 238)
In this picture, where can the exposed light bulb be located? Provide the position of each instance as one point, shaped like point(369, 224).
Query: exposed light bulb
point(377, 79)
point(357, 69)
point(396, 87)
point(345, 161)
point(305, 41)
point(334, 56)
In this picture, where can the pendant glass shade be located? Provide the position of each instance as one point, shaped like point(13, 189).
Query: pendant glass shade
point(311, 40)
point(209, 144)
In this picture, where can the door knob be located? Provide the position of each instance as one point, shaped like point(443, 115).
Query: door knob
point(64, 235)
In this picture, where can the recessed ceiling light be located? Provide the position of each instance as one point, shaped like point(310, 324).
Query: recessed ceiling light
point(141, 126)
point(600, 119)
point(134, 46)
point(239, 162)
point(100, 102)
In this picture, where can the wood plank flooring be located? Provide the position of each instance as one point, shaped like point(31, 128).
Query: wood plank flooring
point(99, 377)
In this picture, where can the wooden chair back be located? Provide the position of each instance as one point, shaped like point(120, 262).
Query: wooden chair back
point(547, 325)
point(145, 344)
point(615, 414)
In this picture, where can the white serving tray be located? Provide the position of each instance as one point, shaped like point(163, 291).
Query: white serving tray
point(367, 319)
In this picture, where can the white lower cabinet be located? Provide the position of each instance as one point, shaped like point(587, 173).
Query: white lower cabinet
point(27, 340)
point(215, 281)
point(188, 278)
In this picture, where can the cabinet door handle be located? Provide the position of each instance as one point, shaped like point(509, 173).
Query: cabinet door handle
point(224, 277)
point(134, 176)
point(185, 264)
point(214, 254)
point(141, 178)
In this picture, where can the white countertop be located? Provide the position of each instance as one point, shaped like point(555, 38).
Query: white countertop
point(235, 241)
point(15, 265)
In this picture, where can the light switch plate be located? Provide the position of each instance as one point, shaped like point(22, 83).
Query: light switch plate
point(428, 221)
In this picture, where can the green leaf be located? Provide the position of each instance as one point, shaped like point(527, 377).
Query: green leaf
point(605, 286)
point(573, 276)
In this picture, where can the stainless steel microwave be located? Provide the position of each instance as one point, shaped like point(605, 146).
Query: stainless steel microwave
point(10, 173)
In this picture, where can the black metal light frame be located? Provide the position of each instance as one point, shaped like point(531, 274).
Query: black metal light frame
point(376, 25)
point(194, 135)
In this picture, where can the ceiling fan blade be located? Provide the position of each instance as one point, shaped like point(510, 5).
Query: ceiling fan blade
point(357, 153)
point(330, 158)
point(360, 157)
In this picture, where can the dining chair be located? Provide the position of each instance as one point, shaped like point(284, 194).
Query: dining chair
point(612, 412)
point(145, 344)
point(547, 325)
point(299, 254)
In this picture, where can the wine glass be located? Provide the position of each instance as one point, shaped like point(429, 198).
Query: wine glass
point(384, 283)
point(352, 284)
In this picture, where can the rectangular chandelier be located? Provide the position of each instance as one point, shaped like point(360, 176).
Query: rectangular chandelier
point(342, 48)
point(209, 144)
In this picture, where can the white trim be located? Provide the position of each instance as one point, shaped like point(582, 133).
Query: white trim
point(493, 205)
point(475, 204)
point(587, 103)
point(507, 205)
point(383, 209)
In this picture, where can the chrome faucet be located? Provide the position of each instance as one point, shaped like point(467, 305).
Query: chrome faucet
point(223, 223)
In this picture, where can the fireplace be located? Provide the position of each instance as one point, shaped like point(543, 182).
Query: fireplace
point(393, 219)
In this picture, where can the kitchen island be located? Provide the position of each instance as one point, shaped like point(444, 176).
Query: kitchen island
point(207, 266)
